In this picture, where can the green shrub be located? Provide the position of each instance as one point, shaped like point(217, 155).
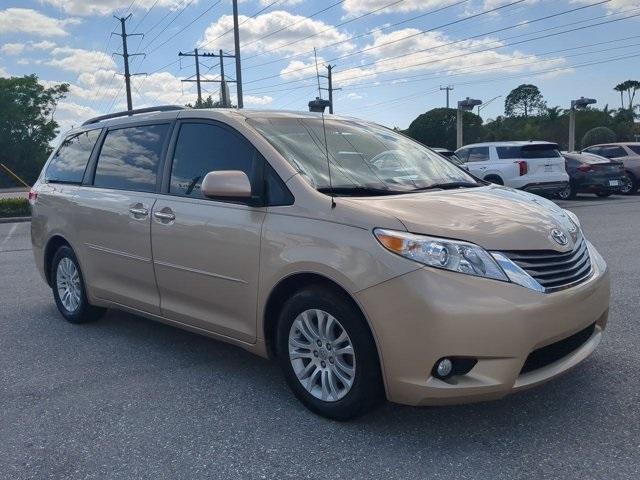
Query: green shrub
point(14, 207)
point(598, 135)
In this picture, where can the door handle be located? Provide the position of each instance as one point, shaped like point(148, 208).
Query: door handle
point(164, 216)
point(143, 212)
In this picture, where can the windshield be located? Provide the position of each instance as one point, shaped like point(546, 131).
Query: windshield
point(362, 156)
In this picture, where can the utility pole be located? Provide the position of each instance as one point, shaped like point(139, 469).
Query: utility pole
point(199, 80)
point(236, 39)
point(330, 89)
point(448, 88)
point(125, 55)
point(195, 55)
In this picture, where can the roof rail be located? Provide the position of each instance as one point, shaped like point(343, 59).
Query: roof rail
point(128, 113)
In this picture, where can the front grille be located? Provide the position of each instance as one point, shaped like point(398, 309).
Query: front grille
point(554, 270)
point(551, 353)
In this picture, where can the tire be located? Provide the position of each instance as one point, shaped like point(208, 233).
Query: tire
point(568, 193)
point(630, 186)
point(603, 194)
point(73, 305)
point(343, 401)
point(494, 179)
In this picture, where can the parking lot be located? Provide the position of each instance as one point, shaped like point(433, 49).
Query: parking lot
point(127, 397)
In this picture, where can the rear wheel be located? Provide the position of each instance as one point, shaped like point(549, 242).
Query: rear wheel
point(629, 184)
point(568, 193)
point(494, 179)
point(328, 355)
point(68, 288)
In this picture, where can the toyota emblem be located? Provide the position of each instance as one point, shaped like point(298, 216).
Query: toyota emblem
point(559, 237)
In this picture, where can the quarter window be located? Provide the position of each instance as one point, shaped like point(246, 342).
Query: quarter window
point(202, 148)
point(129, 158)
point(70, 161)
point(478, 154)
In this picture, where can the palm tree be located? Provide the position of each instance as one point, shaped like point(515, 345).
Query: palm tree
point(629, 86)
point(620, 88)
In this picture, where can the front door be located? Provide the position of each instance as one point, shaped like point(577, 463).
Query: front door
point(114, 217)
point(206, 252)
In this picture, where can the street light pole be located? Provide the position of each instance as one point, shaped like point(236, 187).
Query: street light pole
point(465, 105)
point(579, 103)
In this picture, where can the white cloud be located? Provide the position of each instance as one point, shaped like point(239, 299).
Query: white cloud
point(28, 21)
point(79, 60)
point(12, 48)
point(613, 5)
point(298, 69)
point(4, 73)
point(43, 45)
point(257, 100)
point(106, 7)
point(354, 96)
point(69, 114)
point(292, 39)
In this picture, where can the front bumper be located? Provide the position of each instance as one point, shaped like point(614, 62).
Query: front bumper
point(428, 314)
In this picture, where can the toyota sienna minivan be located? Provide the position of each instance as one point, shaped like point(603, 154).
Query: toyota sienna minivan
point(364, 263)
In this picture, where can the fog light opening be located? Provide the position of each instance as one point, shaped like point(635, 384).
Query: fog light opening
point(447, 367)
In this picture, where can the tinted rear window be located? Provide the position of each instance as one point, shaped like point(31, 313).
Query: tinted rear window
point(129, 158)
point(70, 161)
point(635, 148)
point(528, 151)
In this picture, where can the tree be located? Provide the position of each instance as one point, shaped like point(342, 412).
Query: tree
point(208, 103)
point(524, 100)
point(598, 135)
point(27, 125)
point(437, 128)
point(629, 86)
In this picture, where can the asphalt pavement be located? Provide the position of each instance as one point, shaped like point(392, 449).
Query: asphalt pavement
point(129, 398)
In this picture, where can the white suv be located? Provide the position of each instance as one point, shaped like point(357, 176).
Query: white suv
point(536, 167)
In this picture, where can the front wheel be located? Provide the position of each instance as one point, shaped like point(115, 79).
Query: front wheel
point(68, 288)
point(328, 355)
point(629, 184)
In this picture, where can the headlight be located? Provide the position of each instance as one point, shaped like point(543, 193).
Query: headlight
point(442, 253)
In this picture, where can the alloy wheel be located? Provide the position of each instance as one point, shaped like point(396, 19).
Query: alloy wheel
point(68, 284)
point(322, 355)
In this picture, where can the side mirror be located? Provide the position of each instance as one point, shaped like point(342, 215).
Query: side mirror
point(226, 184)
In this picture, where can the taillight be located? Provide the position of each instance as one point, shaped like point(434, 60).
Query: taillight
point(524, 168)
point(33, 196)
point(585, 168)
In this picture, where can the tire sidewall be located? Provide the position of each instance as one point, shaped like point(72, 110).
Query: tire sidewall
point(79, 315)
point(366, 388)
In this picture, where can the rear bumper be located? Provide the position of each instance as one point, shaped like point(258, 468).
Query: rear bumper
point(545, 188)
point(438, 314)
point(600, 184)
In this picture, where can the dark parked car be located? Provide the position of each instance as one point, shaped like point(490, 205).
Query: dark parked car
point(589, 173)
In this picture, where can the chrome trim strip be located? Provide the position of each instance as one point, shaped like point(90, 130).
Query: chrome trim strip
point(117, 252)
point(199, 272)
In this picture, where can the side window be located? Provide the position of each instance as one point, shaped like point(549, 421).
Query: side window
point(613, 152)
point(594, 150)
point(509, 152)
point(129, 158)
point(463, 154)
point(202, 148)
point(70, 161)
point(276, 192)
point(478, 154)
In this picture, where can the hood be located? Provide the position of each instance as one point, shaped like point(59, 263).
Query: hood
point(494, 217)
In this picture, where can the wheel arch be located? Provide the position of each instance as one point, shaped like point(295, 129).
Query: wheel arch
point(488, 177)
point(52, 246)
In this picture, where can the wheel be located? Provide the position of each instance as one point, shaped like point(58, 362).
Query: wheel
point(604, 194)
point(68, 288)
point(494, 179)
point(568, 193)
point(328, 355)
point(629, 184)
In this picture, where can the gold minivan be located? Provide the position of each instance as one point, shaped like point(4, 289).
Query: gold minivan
point(364, 263)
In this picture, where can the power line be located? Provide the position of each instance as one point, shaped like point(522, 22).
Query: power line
point(361, 35)
point(413, 65)
point(180, 12)
point(448, 24)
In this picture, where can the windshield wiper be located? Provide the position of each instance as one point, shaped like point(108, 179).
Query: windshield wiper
point(357, 190)
point(448, 186)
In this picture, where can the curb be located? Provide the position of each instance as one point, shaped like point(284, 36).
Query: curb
point(15, 219)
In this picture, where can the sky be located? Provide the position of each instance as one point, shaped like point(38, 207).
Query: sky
point(391, 57)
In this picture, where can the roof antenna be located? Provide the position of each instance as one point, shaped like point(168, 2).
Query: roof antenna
point(324, 132)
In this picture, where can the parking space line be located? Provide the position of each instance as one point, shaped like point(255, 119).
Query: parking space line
point(6, 239)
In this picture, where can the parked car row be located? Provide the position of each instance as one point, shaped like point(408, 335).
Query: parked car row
point(540, 167)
